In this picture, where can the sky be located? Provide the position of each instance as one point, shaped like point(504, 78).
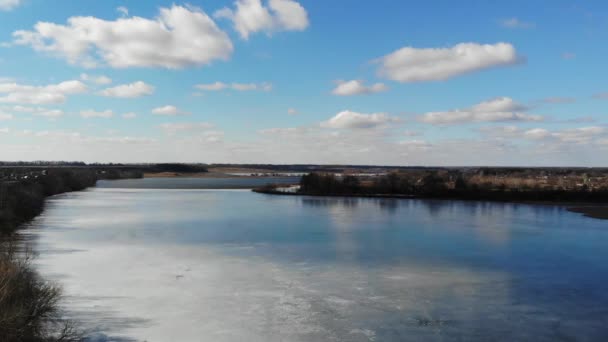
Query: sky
point(385, 82)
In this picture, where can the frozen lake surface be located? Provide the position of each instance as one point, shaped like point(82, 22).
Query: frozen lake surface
point(150, 264)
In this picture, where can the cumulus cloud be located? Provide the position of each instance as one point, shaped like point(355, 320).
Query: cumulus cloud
point(129, 91)
point(101, 80)
point(179, 37)
point(292, 111)
point(49, 94)
point(129, 115)
point(8, 5)
point(354, 120)
point(410, 64)
point(251, 16)
point(87, 114)
point(217, 86)
point(500, 109)
point(515, 23)
point(168, 111)
point(357, 87)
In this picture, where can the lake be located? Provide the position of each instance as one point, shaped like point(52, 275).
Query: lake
point(172, 260)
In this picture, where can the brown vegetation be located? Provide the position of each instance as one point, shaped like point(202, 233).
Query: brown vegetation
point(28, 305)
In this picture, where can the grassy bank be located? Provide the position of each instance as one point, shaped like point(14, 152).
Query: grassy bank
point(28, 304)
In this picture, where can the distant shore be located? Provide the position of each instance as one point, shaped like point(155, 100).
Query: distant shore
point(219, 173)
point(592, 210)
point(188, 175)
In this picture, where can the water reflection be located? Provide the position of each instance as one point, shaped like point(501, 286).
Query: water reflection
point(233, 266)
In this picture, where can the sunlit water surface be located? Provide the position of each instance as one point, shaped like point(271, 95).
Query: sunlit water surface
point(232, 265)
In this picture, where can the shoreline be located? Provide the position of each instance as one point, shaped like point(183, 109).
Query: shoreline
point(210, 174)
point(592, 210)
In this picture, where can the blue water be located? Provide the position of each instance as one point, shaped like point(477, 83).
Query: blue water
point(233, 265)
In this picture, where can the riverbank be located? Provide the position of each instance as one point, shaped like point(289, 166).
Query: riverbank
point(29, 304)
point(592, 210)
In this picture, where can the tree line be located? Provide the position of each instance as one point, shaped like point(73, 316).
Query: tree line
point(23, 200)
point(431, 184)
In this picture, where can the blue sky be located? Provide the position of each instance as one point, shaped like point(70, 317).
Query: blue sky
point(285, 81)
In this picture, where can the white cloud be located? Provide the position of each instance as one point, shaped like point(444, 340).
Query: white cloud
point(180, 127)
point(212, 86)
point(87, 114)
point(5, 116)
point(500, 109)
point(8, 5)
point(129, 115)
point(129, 91)
point(38, 111)
point(252, 86)
point(354, 120)
point(251, 16)
point(357, 87)
point(4, 130)
point(101, 80)
point(281, 131)
point(55, 113)
point(420, 145)
point(537, 133)
point(27, 94)
point(410, 64)
point(217, 86)
point(515, 23)
point(579, 135)
point(499, 104)
point(570, 136)
point(50, 113)
point(123, 11)
point(179, 37)
point(292, 111)
point(168, 111)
